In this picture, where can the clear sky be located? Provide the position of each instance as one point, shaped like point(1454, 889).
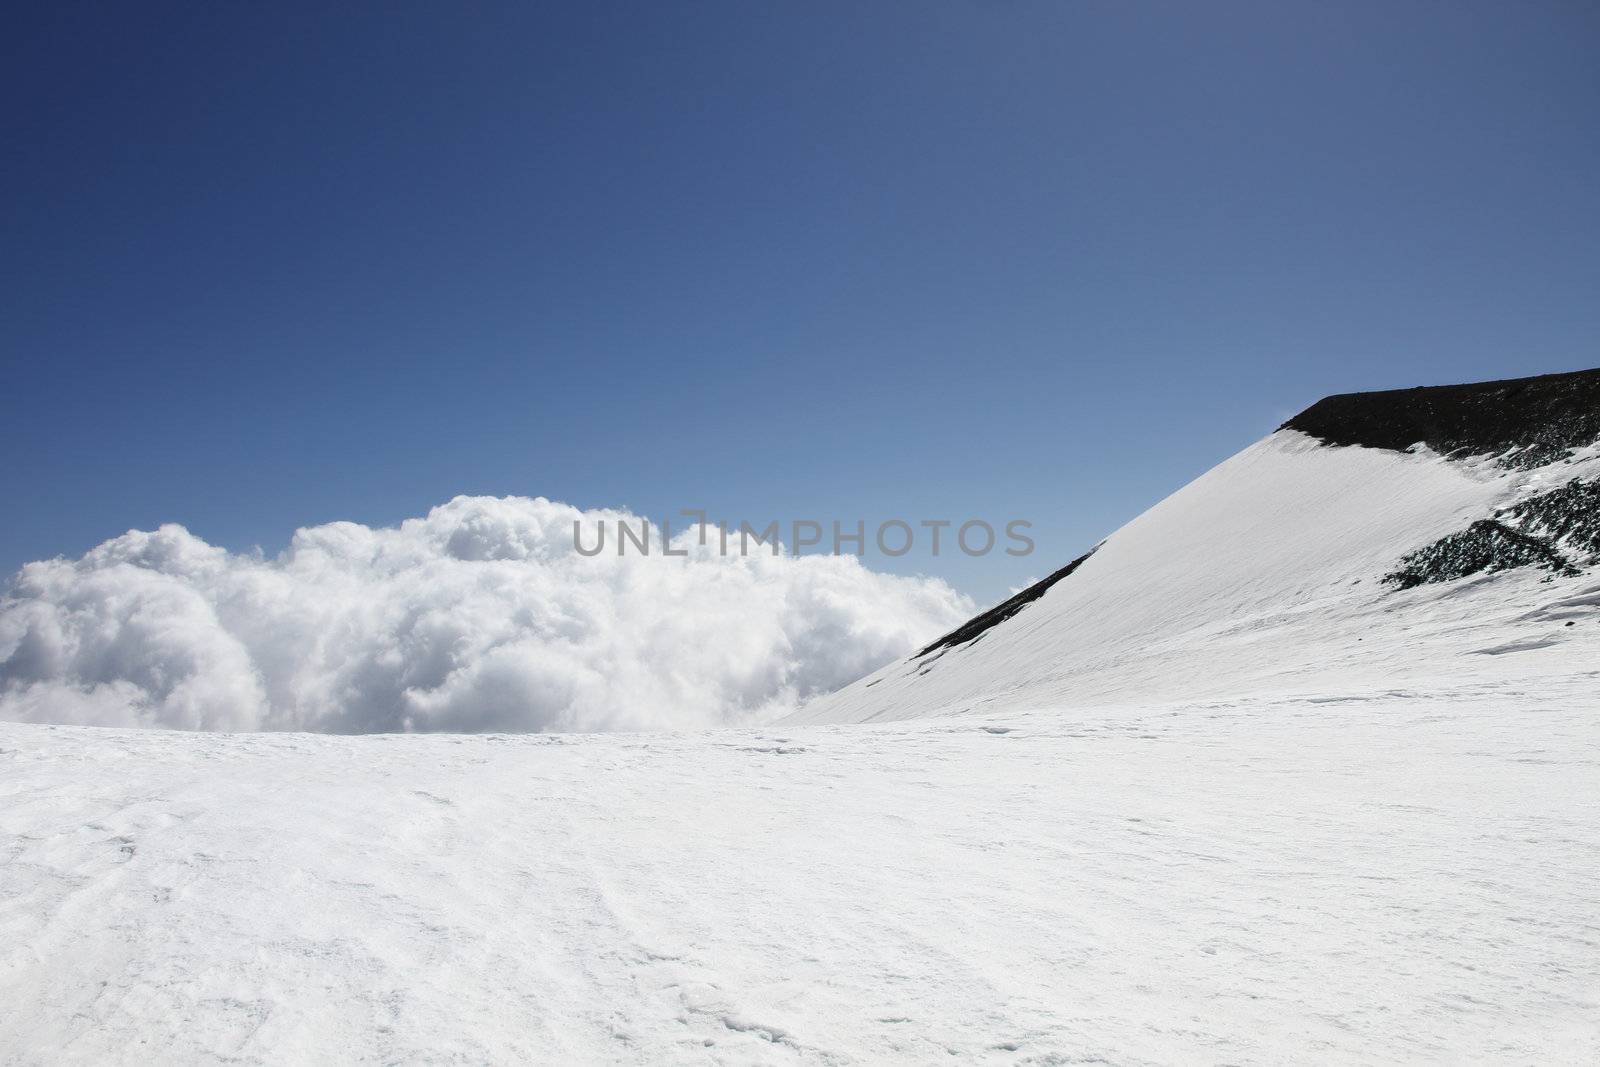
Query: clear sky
point(271, 265)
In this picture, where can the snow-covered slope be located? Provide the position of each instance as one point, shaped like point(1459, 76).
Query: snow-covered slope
point(1266, 575)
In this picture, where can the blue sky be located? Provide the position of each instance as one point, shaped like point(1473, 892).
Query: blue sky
point(274, 265)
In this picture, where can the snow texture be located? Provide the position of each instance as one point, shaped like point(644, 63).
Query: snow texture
point(1368, 876)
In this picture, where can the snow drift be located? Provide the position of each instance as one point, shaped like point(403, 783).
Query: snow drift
point(1417, 537)
point(478, 617)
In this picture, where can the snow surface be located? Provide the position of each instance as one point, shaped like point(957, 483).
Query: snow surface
point(1219, 796)
point(1383, 877)
point(1264, 576)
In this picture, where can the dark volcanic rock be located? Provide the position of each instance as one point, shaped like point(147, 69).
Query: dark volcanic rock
point(1538, 532)
point(1484, 547)
point(1544, 418)
point(1570, 514)
point(976, 626)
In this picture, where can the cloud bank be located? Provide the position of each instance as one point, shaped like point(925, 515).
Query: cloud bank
point(478, 617)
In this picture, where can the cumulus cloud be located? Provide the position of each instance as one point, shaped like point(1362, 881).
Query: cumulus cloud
point(479, 616)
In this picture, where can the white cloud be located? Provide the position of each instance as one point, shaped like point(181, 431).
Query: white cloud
point(480, 616)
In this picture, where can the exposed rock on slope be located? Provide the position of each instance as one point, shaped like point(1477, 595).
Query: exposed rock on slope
point(1570, 514)
point(977, 626)
point(1532, 533)
point(1488, 545)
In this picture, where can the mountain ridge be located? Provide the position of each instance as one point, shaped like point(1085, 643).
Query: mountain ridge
point(1543, 416)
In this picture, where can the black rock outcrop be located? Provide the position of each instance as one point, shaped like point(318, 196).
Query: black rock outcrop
point(976, 626)
point(1558, 531)
point(1535, 420)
